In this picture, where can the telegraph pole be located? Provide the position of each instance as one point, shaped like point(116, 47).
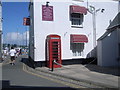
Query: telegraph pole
point(0, 29)
point(93, 11)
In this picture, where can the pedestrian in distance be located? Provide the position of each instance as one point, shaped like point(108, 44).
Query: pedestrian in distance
point(2, 58)
point(12, 55)
point(5, 53)
point(17, 53)
point(20, 53)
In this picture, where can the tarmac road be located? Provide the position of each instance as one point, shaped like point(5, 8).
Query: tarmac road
point(16, 77)
point(21, 76)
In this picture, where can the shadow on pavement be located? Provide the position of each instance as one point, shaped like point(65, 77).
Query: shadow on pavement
point(92, 67)
point(28, 62)
point(106, 70)
point(6, 86)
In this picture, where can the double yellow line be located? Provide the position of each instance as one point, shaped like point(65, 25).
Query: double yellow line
point(51, 79)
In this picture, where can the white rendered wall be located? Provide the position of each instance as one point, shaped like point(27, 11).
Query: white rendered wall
point(61, 25)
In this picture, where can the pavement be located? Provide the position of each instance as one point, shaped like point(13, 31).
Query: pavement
point(107, 77)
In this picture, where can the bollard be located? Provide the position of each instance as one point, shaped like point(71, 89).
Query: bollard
point(52, 65)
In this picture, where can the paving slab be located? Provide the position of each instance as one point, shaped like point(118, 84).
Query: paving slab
point(103, 76)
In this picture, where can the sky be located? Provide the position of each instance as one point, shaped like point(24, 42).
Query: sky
point(14, 32)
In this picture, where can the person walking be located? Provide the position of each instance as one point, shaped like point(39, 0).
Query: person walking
point(12, 55)
point(20, 52)
point(5, 52)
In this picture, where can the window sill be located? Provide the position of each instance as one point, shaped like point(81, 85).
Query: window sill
point(76, 26)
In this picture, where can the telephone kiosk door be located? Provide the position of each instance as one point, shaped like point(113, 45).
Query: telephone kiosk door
point(53, 51)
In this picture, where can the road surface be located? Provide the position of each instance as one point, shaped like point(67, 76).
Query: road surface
point(16, 77)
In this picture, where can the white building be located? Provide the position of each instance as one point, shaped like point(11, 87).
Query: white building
point(72, 21)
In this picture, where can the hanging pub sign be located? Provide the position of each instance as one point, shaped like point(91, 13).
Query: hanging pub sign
point(26, 21)
point(47, 13)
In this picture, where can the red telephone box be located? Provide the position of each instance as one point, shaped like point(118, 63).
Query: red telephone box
point(53, 51)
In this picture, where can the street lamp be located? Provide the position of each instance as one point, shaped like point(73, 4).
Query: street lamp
point(94, 11)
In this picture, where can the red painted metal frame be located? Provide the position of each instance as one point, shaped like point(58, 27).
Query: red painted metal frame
point(53, 50)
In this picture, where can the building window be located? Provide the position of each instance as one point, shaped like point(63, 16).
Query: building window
point(77, 49)
point(76, 19)
point(77, 15)
point(77, 44)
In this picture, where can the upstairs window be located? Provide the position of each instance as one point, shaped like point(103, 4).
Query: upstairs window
point(76, 19)
point(77, 15)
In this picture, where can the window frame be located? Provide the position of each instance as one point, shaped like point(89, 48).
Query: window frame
point(81, 19)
